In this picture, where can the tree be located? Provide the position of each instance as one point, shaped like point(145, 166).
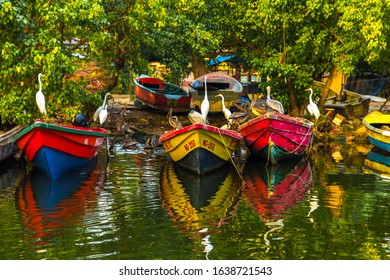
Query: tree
point(34, 36)
point(290, 42)
point(49, 37)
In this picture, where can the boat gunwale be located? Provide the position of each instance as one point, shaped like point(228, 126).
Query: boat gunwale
point(278, 117)
point(97, 132)
point(7, 137)
point(154, 91)
point(200, 126)
point(368, 121)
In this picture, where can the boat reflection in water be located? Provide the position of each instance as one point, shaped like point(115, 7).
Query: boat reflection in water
point(47, 205)
point(378, 160)
point(271, 190)
point(199, 204)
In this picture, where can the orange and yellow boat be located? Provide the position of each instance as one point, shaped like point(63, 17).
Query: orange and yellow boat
point(201, 148)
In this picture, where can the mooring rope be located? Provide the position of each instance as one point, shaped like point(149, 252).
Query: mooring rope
point(230, 156)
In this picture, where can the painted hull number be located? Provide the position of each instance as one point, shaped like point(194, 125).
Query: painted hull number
point(209, 145)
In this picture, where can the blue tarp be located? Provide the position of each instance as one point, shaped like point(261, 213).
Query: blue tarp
point(221, 58)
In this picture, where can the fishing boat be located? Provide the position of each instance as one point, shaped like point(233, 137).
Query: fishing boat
point(271, 190)
point(7, 145)
point(59, 149)
point(275, 137)
point(217, 83)
point(199, 147)
point(351, 105)
point(161, 95)
point(378, 129)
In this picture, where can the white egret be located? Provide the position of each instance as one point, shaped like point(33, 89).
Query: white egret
point(225, 110)
point(205, 106)
point(103, 115)
point(274, 104)
point(40, 98)
point(98, 110)
point(312, 107)
point(173, 120)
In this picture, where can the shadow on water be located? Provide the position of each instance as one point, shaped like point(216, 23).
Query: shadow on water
point(47, 206)
point(379, 162)
point(142, 206)
point(271, 190)
point(200, 204)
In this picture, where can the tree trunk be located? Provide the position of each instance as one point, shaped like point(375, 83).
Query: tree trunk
point(119, 65)
point(326, 88)
point(198, 66)
point(294, 109)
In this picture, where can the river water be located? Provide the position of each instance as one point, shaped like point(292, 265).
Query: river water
point(140, 206)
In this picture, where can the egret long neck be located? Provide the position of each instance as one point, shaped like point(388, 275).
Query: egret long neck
point(105, 100)
point(40, 83)
point(205, 87)
point(223, 103)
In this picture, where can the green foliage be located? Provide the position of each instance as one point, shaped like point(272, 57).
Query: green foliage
point(288, 41)
point(34, 42)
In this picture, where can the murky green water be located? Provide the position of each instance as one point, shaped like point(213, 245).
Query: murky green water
point(140, 206)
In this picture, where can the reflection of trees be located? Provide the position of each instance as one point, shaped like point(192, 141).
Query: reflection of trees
point(351, 212)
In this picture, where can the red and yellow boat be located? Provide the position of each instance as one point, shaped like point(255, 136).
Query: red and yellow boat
point(59, 149)
point(275, 137)
point(201, 148)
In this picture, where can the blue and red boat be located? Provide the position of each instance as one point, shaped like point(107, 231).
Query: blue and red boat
point(59, 149)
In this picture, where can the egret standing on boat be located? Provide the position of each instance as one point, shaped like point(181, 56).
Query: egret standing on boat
point(312, 107)
point(274, 104)
point(225, 110)
point(40, 98)
point(205, 106)
point(98, 110)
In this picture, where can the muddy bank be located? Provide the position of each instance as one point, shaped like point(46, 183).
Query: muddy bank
point(129, 125)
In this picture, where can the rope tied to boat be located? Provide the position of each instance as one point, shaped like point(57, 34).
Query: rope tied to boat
point(301, 144)
point(230, 156)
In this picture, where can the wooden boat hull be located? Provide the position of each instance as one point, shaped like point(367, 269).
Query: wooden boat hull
point(355, 105)
point(217, 83)
point(59, 149)
point(275, 137)
point(161, 95)
point(199, 147)
point(270, 191)
point(376, 125)
point(7, 145)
